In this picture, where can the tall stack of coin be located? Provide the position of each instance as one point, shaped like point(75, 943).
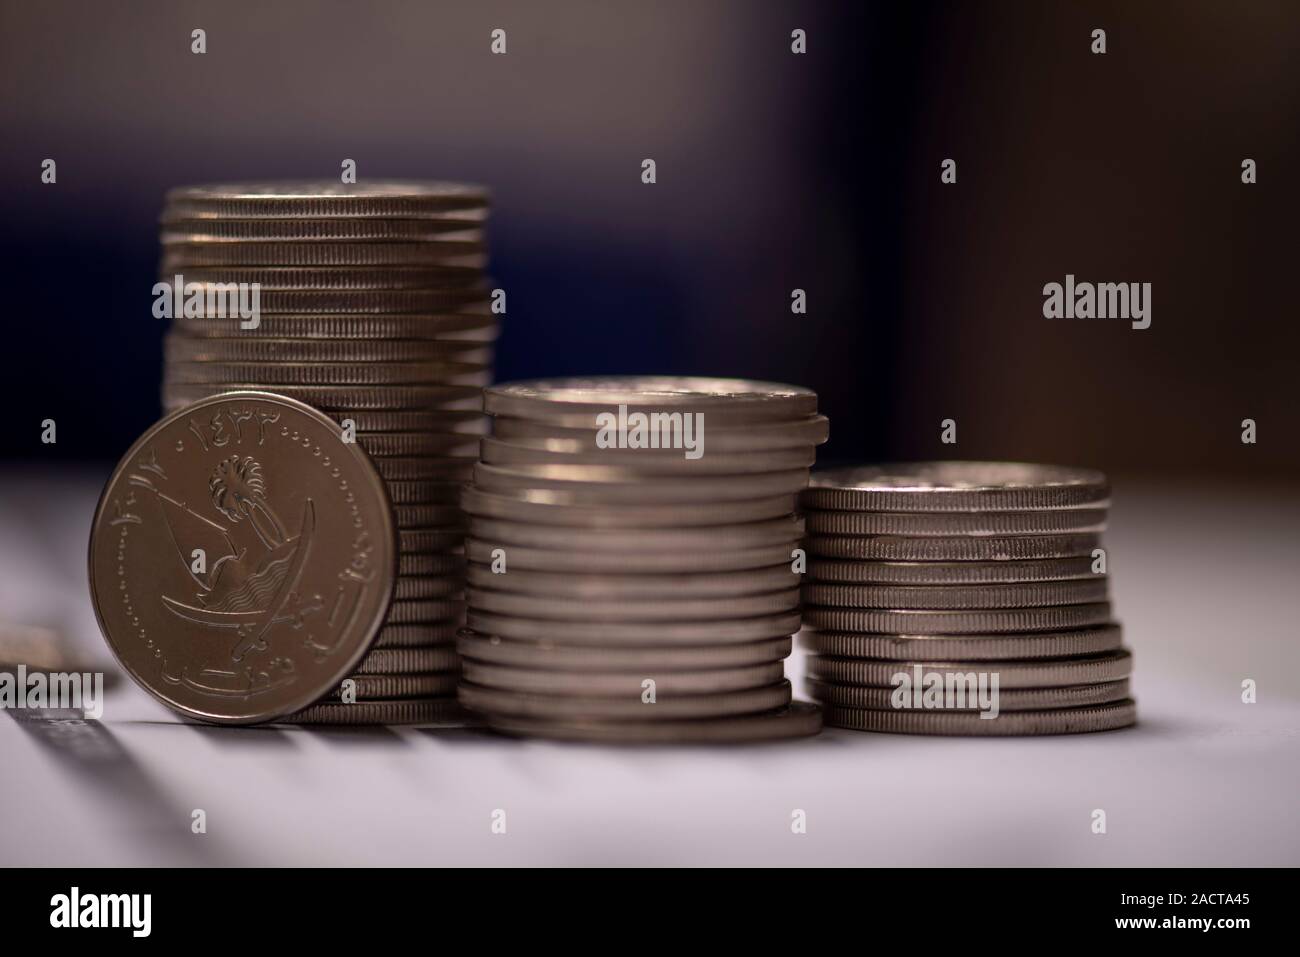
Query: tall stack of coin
point(962, 598)
point(371, 305)
point(632, 550)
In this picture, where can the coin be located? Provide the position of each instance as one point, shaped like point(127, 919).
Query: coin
point(909, 622)
point(408, 612)
point(887, 548)
point(328, 398)
point(427, 586)
point(545, 654)
point(951, 573)
point(443, 710)
point(631, 610)
point(326, 198)
point(634, 633)
point(448, 295)
point(602, 485)
point(550, 507)
point(425, 492)
point(628, 707)
point(443, 424)
point(1016, 699)
point(428, 563)
point(1106, 717)
point(916, 524)
point(416, 540)
point(1094, 669)
point(426, 516)
point(619, 684)
point(330, 373)
point(178, 257)
point(957, 486)
point(631, 562)
point(417, 636)
point(454, 468)
point(612, 587)
point(366, 687)
point(777, 531)
point(577, 402)
point(282, 510)
point(257, 347)
point(939, 597)
point(652, 461)
point(185, 231)
point(749, 437)
point(404, 660)
point(408, 444)
point(1039, 644)
point(465, 325)
point(799, 720)
point(310, 278)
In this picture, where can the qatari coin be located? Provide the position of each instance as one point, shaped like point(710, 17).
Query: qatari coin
point(253, 346)
point(1112, 666)
point(366, 687)
point(442, 424)
point(428, 516)
point(181, 256)
point(331, 373)
point(285, 513)
point(463, 325)
point(634, 610)
point(653, 461)
point(957, 487)
point(1106, 717)
point(408, 444)
point(626, 707)
point(441, 710)
point(918, 524)
point(939, 597)
point(746, 437)
point(428, 492)
point(1016, 699)
point(549, 507)
point(1040, 644)
point(403, 660)
point(187, 231)
point(418, 540)
point(417, 636)
point(618, 684)
point(598, 485)
point(319, 278)
point(635, 633)
point(578, 402)
point(431, 563)
point(907, 622)
point(631, 562)
point(328, 398)
point(609, 587)
point(951, 573)
point(325, 199)
point(448, 295)
point(410, 587)
point(407, 468)
point(783, 531)
point(549, 655)
point(888, 548)
point(408, 612)
point(799, 720)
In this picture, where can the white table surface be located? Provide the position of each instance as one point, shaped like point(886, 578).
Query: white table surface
point(1206, 582)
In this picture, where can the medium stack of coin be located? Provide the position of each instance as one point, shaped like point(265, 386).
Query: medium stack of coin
point(962, 598)
point(632, 547)
point(371, 305)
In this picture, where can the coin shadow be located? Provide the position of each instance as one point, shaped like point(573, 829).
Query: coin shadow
point(361, 735)
point(462, 735)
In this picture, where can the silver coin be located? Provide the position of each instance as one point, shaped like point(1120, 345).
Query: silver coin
point(425, 491)
point(1016, 699)
point(939, 524)
point(1047, 673)
point(442, 710)
point(464, 325)
point(429, 609)
point(653, 461)
point(889, 548)
point(431, 563)
point(908, 622)
point(799, 720)
point(957, 486)
point(970, 647)
point(317, 278)
point(331, 373)
point(577, 402)
point(549, 655)
point(623, 684)
point(654, 634)
point(367, 687)
point(254, 347)
point(601, 586)
point(403, 444)
point(951, 573)
point(177, 258)
point(427, 516)
point(627, 707)
point(326, 198)
point(450, 468)
point(603, 485)
point(441, 424)
point(630, 562)
point(419, 540)
point(330, 398)
point(1106, 717)
point(428, 586)
point(944, 597)
point(377, 302)
point(406, 660)
point(777, 531)
point(178, 231)
point(417, 636)
point(550, 507)
point(631, 610)
point(746, 437)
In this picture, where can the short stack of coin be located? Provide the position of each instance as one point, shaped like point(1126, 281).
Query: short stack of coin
point(372, 308)
point(966, 568)
point(630, 589)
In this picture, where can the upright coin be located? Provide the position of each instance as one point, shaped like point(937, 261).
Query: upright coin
point(242, 558)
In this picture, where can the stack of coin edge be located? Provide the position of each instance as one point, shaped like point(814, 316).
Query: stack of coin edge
point(634, 594)
point(372, 307)
point(942, 569)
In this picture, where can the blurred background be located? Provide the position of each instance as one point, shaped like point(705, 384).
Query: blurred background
point(775, 171)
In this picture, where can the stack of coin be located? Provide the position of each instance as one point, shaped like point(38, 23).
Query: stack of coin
point(633, 549)
point(986, 581)
point(372, 307)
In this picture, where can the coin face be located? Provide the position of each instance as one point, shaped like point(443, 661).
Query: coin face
point(242, 558)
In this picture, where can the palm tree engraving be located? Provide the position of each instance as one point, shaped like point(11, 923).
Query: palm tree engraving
point(238, 492)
